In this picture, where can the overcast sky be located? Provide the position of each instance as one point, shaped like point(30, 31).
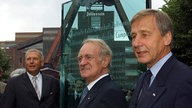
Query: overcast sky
point(33, 15)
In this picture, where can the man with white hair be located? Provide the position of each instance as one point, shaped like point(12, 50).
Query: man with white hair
point(32, 89)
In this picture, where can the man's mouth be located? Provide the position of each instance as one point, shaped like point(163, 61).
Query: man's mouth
point(141, 53)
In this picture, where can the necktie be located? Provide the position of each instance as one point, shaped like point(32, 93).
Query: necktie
point(77, 96)
point(34, 79)
point(85, 91)
point(145, 89)
point(77, 99)
point(147, 79)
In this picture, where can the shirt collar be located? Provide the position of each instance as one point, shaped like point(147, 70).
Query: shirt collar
point(76, 93)
point(30, 76)
point(155, 68)
point(90, 85)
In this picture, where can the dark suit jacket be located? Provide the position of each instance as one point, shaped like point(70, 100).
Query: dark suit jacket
point(20, 93)
point(172, 87)
point(72, 102)
point(0, 96)
point(104, 94)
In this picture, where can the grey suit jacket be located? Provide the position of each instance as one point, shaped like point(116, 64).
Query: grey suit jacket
point(172, 87)
point(20, 93)
point(104, 94)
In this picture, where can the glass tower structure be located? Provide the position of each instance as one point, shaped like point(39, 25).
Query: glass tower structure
point(103, 21)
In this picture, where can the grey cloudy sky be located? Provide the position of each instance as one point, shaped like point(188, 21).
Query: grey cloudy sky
point(33, 15)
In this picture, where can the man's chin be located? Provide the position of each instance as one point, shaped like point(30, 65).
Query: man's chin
point(142, 61)
point(32, 71)
point(83, 75)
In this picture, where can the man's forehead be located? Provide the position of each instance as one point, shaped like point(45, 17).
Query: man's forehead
point(32, 54)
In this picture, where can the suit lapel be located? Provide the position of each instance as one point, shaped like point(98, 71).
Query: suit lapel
point(45, 85)
point(160, 80)
point(157, 94)
point(93, 92)
point(137, 90)
point(28, 84)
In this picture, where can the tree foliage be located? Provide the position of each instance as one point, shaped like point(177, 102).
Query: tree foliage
point(180, 12)
point(4, 62)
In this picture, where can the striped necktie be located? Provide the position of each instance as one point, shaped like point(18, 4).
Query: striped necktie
point(34, 80)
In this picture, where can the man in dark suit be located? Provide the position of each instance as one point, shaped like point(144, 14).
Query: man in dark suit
point(75, 94)
point(24, 92)
point(170, 83)
point(94, 60)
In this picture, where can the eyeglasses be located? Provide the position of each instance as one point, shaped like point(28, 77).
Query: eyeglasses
point(86, 57)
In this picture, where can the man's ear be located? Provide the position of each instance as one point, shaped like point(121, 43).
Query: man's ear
point(42, 63)
point(106, 61)
point(167, 38)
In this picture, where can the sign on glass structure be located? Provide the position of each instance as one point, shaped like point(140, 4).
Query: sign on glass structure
point(103, 19)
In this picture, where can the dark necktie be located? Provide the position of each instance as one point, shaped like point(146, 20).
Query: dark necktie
point(145, 89)
point(77, 97)
point(85, 91)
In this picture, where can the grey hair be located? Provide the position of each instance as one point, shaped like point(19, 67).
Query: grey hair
point(35, 50)
point(105, 49)
point(163, 21)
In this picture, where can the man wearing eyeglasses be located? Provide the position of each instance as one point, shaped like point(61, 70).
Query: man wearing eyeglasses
point(94, 60)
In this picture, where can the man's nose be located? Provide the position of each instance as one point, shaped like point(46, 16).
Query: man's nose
point(83, 61)
point(136, 42)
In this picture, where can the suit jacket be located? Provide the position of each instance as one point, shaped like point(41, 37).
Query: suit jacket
point(172, 87)
point(0, 96)
point(20, 93)
point(104, 94)
point(72, 101)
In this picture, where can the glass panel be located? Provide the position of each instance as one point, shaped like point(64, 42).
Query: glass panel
point(95, 22)
point(100, 21)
